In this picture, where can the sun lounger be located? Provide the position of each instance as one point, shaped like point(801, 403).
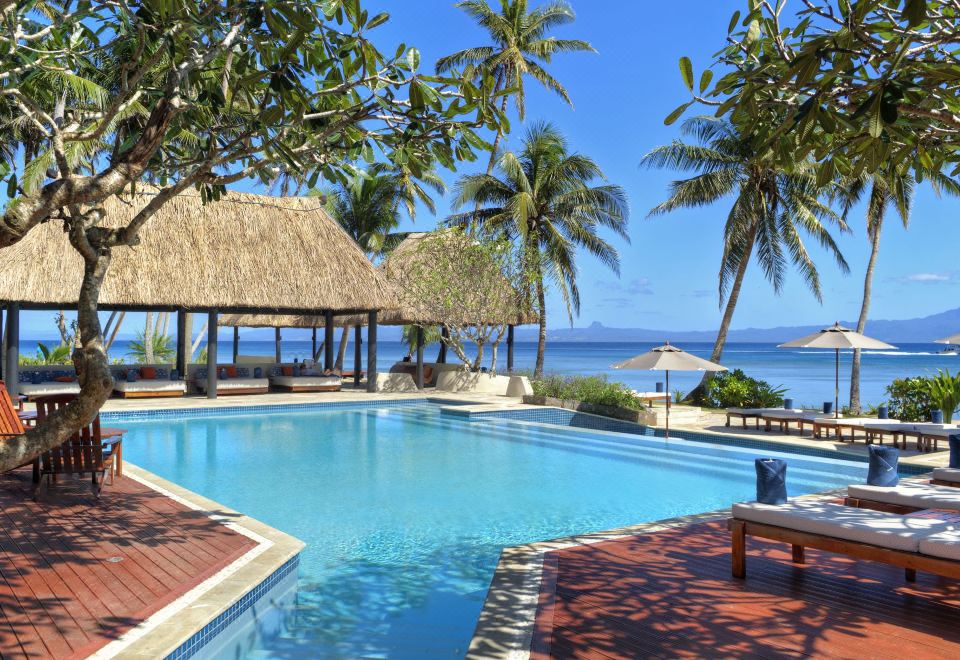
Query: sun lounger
point(914, 543)
point(653, 396)
point(871, 427)
point(749, 413)
point(946, 477)
point(905, 497)
point(307, 383)
point(784, 418)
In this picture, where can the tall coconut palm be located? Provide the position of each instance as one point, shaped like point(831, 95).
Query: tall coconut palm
point(520, 46)
point(543, 198)
point(888, 189)
point(771, 208)
point(368, 208)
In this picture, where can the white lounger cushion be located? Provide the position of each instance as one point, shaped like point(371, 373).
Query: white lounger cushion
point(236, 383)
point(45, 389)
point(843, 522)
point(940, 474)
point(945, 544)
point(758, 411)
point(151, 385)
point(922, 496)
point(307, 381)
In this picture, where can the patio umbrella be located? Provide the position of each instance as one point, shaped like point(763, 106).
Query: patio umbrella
point(838, 338)
point(668, 358)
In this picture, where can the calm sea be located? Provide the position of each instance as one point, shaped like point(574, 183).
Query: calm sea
point(807, 374)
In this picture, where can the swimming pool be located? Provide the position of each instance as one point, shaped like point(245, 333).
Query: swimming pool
point(404, 509)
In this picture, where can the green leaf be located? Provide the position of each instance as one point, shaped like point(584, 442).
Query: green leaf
point(686, 70)
point(753, 32)
point(413, 58)
point(675, 115)
point(915, 12)
point(379, 19)
point(733, 21)
point(876, 117)
point(12, 186)
point(705, 79)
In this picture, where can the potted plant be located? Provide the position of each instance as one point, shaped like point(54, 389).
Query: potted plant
point(944, 392)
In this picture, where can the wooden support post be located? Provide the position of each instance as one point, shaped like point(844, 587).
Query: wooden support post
point(798, 556)
point(328, 339)
point(236, 343)
point(510, 349)
point(372, 352)
point(212, 355)
point(182, 343)
point(276, 345)
point(738, 548)
point(357, 355)
point(419, 357)
point(313, 348)
point(13, 349)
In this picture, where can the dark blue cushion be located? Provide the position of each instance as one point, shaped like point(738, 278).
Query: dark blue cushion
point(36, 378)
point(771, 480)
point(883, 466)
point(955, 450)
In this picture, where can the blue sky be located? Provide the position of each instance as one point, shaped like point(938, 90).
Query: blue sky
point(669, 273)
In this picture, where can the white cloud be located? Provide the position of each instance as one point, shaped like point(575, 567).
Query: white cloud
point(639, 286)
point(928, 277)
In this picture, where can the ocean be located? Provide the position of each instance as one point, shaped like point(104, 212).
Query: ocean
point(808, 374)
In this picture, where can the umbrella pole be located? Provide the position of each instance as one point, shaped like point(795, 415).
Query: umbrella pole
point(836, 386)
point(669, 398)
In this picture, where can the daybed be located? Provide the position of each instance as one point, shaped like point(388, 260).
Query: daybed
point(783, 419)
point(872, 428)
point(48, 382)
point(905, 497)
point(929, 543)
point(752, 413)
point(283, 378)
point(237, 381)
point(149, 382)
point(946, 477)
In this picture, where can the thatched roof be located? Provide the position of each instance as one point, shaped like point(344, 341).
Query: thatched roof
point(399, 262)
point(244, 253)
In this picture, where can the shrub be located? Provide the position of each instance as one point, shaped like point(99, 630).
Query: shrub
point(735, 389)
point(945, 393)
point(909, 399)
point(589, 389)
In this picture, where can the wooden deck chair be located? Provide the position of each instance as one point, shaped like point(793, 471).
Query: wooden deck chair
point(84, 452)
point(10, 424)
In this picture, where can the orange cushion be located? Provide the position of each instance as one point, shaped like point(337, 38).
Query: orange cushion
point(148, 373)
point(65, 379)
point(287, 371)
point(231, 372)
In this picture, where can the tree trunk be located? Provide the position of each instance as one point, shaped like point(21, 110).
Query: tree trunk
point(116, 328)
point(478, 362)
point(542, 335)
point(196, 342)
point(862, 321)
point(93, 372)
point(342, 354)
point(148, 338)
point(699, 391)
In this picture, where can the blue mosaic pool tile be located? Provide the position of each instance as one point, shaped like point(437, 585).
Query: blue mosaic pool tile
point(563, 417)
point(229, 615)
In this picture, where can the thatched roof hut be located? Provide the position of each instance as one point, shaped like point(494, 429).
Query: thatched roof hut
point(244, 253)
point(398, 264)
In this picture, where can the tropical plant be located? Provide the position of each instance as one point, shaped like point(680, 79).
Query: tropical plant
point(945, 393)
point(888, 188)
point(431, 335)
point(771, 207)
point(60, 354)
point(909, 399)
point(100, 97)
point(735, 389)
point(542, 197)
point(162, 349)
point(520, 46)
point(588, 389)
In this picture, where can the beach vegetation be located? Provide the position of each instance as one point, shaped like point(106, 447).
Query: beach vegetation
point(551, 202)
point(59, 354)
point(102, 98)
point(945, 393)
point(587, 389)
point(408, 337)
point(909, 399)
point(163, 349)
point(735, 389)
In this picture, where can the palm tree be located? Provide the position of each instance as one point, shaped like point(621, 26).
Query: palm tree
point(519, 47)
point(368, 208)
point(542, 198)
point(888, 189)
point(771, 207)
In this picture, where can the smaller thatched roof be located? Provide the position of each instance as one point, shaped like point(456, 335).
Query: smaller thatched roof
point(398, 264)
point(243, 253)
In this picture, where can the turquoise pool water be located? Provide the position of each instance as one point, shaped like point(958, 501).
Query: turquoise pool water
point(404, 510)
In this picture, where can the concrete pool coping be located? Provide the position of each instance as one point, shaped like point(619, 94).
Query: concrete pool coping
point(165, 631)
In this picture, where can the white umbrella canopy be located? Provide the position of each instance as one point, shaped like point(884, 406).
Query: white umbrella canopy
point(838, 338)
point(668, 358)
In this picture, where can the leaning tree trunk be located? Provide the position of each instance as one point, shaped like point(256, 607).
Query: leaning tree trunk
point(698, 393)
point(148, 338)
point(862, 321)
point(342, 354)
point(93, 372)
point(542, 335)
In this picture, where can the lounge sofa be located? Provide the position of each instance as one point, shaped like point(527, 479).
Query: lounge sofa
point(46, 382)
point(148, 382)
point(237, 380)
point(284, 378)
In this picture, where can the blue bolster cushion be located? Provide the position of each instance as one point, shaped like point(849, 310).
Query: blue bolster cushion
point(883, 466)
point(771, 480)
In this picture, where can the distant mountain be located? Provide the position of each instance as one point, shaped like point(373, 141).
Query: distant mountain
point(924, 329)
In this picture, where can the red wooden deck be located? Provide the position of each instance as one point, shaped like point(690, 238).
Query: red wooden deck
point(76, 573)
point(670, 594)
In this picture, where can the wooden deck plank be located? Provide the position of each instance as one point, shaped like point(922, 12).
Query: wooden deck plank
point(670, 594)
point(76, 572)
